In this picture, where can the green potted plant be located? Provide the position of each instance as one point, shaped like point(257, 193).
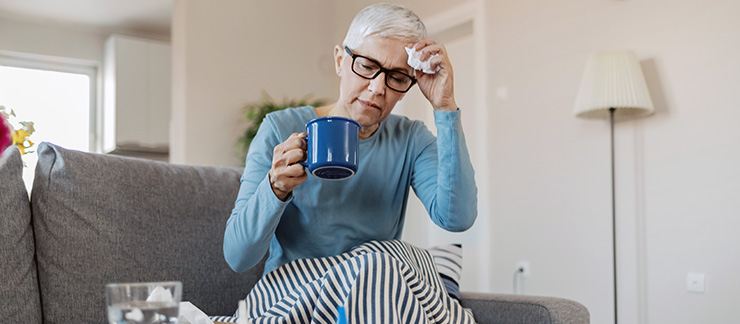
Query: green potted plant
point(255, 112)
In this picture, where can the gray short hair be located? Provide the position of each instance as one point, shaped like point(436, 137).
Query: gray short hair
point(385, 20)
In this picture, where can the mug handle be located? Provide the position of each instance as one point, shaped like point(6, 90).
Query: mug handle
point(304, 164)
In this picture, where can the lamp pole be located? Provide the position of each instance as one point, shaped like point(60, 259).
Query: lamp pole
point(614, 216)
point(613, 80)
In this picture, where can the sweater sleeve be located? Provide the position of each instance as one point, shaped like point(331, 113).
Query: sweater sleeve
point(257, 211)
point(443, 176)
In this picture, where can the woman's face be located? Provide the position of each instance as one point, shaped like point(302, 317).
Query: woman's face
point(370, 101)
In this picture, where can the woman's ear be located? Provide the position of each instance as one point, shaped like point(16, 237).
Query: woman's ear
point(338, 59)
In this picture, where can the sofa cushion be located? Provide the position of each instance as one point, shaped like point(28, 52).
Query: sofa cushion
point(19, 290)
point(102, 219)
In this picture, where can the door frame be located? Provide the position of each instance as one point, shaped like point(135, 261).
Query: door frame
point(475, 11)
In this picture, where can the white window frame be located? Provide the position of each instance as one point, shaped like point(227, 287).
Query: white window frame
point(68, 65)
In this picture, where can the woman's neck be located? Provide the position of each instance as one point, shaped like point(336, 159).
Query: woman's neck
point(324, 111)
point(335, 110)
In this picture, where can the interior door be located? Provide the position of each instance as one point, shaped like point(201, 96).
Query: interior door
point(459, 41)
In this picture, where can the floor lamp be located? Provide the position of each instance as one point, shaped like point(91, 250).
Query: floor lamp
point(613, 84)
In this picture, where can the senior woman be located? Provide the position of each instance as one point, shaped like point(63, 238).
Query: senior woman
point(295, 216)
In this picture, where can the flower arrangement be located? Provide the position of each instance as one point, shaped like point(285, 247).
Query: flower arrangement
point(9, 135)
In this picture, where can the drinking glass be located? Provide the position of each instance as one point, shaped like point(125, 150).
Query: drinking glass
point(143, 302)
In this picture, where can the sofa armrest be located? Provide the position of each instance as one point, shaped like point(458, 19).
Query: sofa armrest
point(499, 308)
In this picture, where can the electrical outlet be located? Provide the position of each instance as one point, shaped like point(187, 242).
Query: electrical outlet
point(695, 282)
point(522, 268)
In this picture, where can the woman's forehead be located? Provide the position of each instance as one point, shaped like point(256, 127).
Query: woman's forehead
point(389, 52)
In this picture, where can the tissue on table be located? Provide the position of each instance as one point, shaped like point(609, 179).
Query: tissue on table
point(242, 313)
point(417, 64)
point(189, 314)
point(159, 294)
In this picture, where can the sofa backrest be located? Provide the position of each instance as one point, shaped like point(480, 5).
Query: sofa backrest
point(19, 291)
point(101, 219)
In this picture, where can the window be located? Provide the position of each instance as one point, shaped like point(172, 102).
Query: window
point(58, 95)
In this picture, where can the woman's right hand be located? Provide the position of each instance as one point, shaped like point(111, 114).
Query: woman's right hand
point(286, 173)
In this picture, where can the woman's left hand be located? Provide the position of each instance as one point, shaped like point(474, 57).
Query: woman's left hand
point(438, 88)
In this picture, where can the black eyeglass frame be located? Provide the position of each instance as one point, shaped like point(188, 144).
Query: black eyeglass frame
point(380, 70)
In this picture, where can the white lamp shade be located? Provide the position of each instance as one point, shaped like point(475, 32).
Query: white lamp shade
point(613, 80)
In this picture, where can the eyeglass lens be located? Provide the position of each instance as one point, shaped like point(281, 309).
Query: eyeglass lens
point(368, 69)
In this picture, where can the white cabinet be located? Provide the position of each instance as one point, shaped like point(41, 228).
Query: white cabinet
point(137, 96)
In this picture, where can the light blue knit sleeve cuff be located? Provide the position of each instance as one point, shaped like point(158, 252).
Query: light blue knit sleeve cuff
point(267, 196)
point(447, 116)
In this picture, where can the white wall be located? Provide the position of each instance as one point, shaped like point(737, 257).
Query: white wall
point(25, 37)
point(227, 53)
point(677, 171)
point(71, 41)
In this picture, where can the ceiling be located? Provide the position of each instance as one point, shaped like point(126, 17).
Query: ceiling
point(148, 16)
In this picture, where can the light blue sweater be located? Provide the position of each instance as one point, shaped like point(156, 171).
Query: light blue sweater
point(323, 218)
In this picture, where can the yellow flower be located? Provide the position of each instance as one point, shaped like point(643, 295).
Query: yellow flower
point(19, 136)
point(20, 139)
point(24, 146)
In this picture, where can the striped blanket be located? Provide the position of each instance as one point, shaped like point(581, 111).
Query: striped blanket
point(376, 282)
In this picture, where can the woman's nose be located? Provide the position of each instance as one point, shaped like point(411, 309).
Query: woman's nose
point(377, 85)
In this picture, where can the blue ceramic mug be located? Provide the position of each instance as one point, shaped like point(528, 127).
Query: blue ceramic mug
point(332, 147)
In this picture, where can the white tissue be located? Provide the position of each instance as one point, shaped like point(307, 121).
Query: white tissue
point(189, 314)
point(159, 294)
point(135, 315)
point(242, 313)
point(417, 64)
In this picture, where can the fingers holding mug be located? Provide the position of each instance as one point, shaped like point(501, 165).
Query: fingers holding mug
point(286, 173)
point(284, 179)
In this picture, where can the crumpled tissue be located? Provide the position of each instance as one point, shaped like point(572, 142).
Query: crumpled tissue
point(417, 64)
point(189, 314)
point(159, 294)
point(242, 313)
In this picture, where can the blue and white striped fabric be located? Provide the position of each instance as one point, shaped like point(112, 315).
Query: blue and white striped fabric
point(448, 259)
point(376, 282)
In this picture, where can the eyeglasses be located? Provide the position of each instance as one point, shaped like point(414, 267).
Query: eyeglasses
point(369, 69)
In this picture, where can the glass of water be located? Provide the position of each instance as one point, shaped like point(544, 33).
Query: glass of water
point(143, 302)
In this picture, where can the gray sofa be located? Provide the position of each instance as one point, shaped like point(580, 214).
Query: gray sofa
point(94, 219)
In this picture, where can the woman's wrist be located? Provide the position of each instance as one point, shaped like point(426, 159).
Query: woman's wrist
point(279, 194)
point(448, 107)
point(448, 104)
